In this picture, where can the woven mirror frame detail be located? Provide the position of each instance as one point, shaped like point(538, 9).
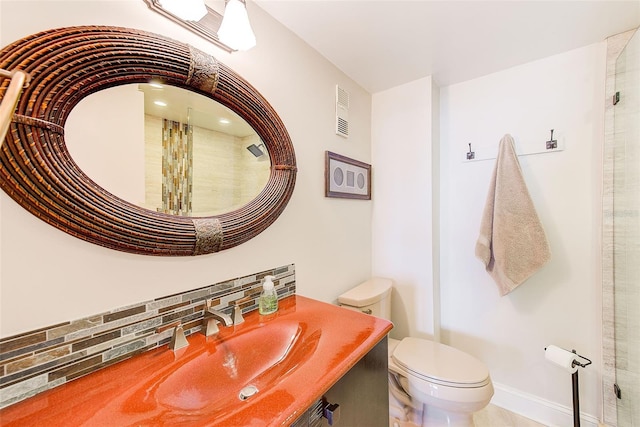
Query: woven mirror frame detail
point(68, 64)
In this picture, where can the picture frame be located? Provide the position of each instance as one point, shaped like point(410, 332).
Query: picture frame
point(346, 178)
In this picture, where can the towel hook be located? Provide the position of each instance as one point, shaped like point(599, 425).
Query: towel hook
point(471, 154)
point(552, 143)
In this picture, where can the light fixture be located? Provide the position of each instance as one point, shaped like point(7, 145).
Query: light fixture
point(189, 10)
point(235, 30)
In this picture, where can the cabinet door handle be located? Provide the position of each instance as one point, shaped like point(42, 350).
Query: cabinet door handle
point(332, 413)
point(367, 311)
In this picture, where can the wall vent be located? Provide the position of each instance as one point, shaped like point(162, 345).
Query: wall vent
point(312, 417)
point(342, 112)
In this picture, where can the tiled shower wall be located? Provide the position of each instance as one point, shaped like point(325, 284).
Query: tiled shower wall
point(217, 157)
point(39, 360)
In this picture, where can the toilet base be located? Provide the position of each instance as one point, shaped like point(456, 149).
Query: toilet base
point(435, 417)
point(404, 411)
point(396, 422)
point(432, 417)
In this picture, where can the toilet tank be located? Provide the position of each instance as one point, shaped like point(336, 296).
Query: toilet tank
point(371, 297)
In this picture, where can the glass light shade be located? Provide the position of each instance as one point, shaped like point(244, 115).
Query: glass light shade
point(189, 10)
point(235, 30)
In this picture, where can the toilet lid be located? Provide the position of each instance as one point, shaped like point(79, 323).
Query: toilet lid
point(440, 363)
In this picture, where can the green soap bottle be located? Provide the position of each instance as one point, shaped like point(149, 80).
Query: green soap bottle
point(268, 301)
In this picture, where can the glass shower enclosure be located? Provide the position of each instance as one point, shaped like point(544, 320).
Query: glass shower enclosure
point(626, 233)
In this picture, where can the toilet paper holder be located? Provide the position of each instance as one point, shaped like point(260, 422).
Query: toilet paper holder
point(582, 365)
point(575, 362)
point(574, 383)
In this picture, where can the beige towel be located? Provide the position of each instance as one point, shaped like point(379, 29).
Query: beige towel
point(512, 244)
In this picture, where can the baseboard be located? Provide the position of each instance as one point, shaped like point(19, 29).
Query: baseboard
point(540, 410)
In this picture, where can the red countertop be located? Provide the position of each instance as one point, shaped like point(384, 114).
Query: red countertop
point(292, 356)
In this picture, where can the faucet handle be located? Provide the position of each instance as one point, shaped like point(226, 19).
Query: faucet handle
point(236, 314)
point(210, 326)
point(178, 339)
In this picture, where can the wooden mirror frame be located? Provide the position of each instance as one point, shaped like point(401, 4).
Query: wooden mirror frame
point(68, 64)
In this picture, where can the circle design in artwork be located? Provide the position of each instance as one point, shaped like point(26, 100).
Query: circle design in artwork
point(338, 176)
point(361, 180)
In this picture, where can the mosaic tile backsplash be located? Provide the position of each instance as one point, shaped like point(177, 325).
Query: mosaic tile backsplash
point(39, 360)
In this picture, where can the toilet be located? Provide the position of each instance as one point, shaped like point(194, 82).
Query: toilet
point(430, 384)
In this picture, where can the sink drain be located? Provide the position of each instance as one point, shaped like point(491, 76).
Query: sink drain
point(247, 392)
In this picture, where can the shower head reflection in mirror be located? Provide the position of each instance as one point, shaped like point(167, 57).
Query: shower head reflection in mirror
point(257, 150)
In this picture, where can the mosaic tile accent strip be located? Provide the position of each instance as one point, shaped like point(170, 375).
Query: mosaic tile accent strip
point(177, 167)
point(39, 360)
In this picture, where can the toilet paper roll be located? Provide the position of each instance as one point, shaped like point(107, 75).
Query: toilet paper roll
point(561, 357)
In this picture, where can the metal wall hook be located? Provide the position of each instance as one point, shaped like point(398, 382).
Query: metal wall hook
point(471, 154)
point(552, 143)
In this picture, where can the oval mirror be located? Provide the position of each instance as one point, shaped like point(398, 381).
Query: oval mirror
point(175, 151)
point(66, 65)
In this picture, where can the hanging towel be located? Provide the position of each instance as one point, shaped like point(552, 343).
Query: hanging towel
point(512, 243)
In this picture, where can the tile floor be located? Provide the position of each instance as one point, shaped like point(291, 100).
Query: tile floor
point(494, 416)
point(491, 416)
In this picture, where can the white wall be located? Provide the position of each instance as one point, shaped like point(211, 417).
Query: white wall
point(402, 144)
point(47, 276)
point(99, 137)
point(561, 304)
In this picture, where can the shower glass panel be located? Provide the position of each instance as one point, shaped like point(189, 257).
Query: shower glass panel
point(626, 229)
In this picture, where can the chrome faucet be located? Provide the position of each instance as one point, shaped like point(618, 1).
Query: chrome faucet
point(219, 316)
point(211, 319)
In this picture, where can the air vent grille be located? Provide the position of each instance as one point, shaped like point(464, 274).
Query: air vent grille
point(315, 414)
point(342, 97)
point(342, 112)
point(312, 416)
point(342, 127)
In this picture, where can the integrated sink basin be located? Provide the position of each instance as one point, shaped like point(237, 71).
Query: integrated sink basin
point(213, 377)
point(264, 372)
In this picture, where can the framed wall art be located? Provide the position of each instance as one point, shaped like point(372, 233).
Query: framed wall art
point(346, 178)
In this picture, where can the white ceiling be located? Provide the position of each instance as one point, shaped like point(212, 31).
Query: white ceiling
point(189, 107)
point(385, 43)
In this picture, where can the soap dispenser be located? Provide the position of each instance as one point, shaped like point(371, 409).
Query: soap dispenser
point(268, 301)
